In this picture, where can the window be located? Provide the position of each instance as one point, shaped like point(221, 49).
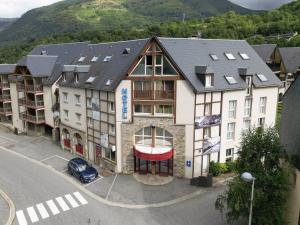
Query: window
point(90, 121)
point(249, 82)
point(164, 109)
point(90, 80)
point(230, 131)
point(164, 89)
point(81, 59)
point(262, 105)
point(94, 59)
point(207, 109)
point(142, 89)
point(247, 124)
point(247, 109)
point(108, 82)
point(64, 77)
point(207, 132)
point(229, 154)
point(77, 99)
point(111, 106)
point(230, 56)
point(232, 109)
point(89, 102)
point(147, 135)
point(107, 58)
point(76, 78)
point(109, 153)
point(65, 97)
point(149, 65)
point(214, 57)
point(78, 117)
point(112, 129)
point(230, 80)
point(66, 112)
point(208, 80)
point(261, 122)
point(140, 108)
point(262, 77)
point(244, 56)
point(163, 137)
point(144, 136)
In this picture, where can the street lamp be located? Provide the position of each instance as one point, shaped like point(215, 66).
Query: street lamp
point(249, 178)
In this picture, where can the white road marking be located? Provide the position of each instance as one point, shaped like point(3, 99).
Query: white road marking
point(50, 157)
point(111, 186)
point(62, 158)
point(71, 200)
point(9, 139)
point(63, 205)
point(80, 198)
point(99, 178)
point(21, 217)
point(53, 207)
point(32, 214)
point(42, 210)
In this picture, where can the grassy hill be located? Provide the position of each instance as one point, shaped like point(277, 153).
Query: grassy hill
point(75, 15)
point(5, 22)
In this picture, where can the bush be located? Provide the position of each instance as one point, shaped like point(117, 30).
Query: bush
point(223, 167)
point(231, 166)
point(214, 168)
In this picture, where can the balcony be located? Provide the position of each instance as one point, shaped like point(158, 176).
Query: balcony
point(4, 86)
point(164, 94)
point(33, 119)
point(5, 111)
point(148, 94)
point(5, 98)
point(20, 87)
point(31, 104)
point(30, 88)
point(142, 94)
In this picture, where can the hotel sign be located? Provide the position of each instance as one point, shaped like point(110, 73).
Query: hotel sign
point(124, 103)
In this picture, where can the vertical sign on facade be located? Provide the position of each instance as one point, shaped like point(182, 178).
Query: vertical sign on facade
point(124, 103)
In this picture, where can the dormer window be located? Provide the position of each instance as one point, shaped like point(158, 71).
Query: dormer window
point(208, 80)
point(107, 58)
point(230, 56)
point(108, 82)
point(76, 78)
point(94, 59)
point(64, 77)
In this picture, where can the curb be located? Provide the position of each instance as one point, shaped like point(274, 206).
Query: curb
point(12, 208)
point(103, 200)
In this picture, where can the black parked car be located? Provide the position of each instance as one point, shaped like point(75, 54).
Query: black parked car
point(80, 169)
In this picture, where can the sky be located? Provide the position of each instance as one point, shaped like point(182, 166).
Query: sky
point(15, 8)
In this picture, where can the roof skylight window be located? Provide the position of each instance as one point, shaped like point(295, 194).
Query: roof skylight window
point(81, 59)
point(90, 80)
point(107, 58)
point(214, 57)
point(230, 80)
point(262, 77)
point(94, 59)
point(108, 82)
point(230, 56)
point(244, 56)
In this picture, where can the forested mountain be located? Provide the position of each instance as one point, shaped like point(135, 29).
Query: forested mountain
point(5, 22)
point(75, 15)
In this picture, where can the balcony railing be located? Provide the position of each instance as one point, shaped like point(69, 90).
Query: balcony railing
point(30, 88)
point(142, 94)
point(5, 111)
point(159, 94)
point(32, 119)
point(31, 104)
point(20, 87)
point(4, 98)
point(4, 85)
point(148, 94)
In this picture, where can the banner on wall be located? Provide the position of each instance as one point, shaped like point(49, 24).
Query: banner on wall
point(211, 145)
point(205, 121)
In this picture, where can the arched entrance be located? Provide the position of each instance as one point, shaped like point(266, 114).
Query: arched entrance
point(153, 151)
point(78, 144)
point(66, 138)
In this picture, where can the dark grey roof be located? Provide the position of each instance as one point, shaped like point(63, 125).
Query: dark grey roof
point(115, 69)
point(264, 51)
point(189, 52)
point(290, 58)
point(66, 53)
point(39, 65)
point(7, 68)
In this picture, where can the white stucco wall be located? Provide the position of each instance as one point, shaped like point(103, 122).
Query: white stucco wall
point(17, 122)
point(119, 120)
point(48, 103)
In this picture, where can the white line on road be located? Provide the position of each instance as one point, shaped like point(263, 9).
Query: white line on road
point(62, 158)
point(62, 204)
point(99, 178)
point(80, 198)
point(71, 200)
point(32, 214)
point(42, 210)
point(52, 207)
point(111, 186)
point(50, 157)
point(9, 139)
point(21, 217)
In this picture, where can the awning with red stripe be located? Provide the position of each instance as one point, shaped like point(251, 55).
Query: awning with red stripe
point(153, 153)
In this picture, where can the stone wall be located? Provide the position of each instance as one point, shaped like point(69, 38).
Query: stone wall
point(178, 132)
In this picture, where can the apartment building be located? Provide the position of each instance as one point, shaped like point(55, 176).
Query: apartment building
point(34, 86)
point(164, 106)
point(5, 96)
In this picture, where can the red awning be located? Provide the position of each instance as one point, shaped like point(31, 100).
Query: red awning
point(153, 153)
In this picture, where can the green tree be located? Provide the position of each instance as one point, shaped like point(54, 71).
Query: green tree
point(262, 155)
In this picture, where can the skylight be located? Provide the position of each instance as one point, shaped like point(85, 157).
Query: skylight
point(230, 80)
point(244, 56)
point(262, 77)
point(107, 58)
point(230, 56)
point(214, 57)
point(108, 82)
point(90, 80)
point(94, 59)
point(81, 59)
point(126, 51)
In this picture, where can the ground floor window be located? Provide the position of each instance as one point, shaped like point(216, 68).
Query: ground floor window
point(229, 154)
point(109, 153)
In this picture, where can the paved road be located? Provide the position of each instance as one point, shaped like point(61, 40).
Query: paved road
point(29, 185)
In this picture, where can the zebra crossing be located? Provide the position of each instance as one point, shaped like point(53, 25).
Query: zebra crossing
point(60, 204)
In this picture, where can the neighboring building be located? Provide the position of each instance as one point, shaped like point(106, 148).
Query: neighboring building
point(289, 136)
point(33, 84)
point(5, 96)
point(164, 105)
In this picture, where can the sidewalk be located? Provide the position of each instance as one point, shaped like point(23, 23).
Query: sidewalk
point(4, 211)
point(117, 188)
